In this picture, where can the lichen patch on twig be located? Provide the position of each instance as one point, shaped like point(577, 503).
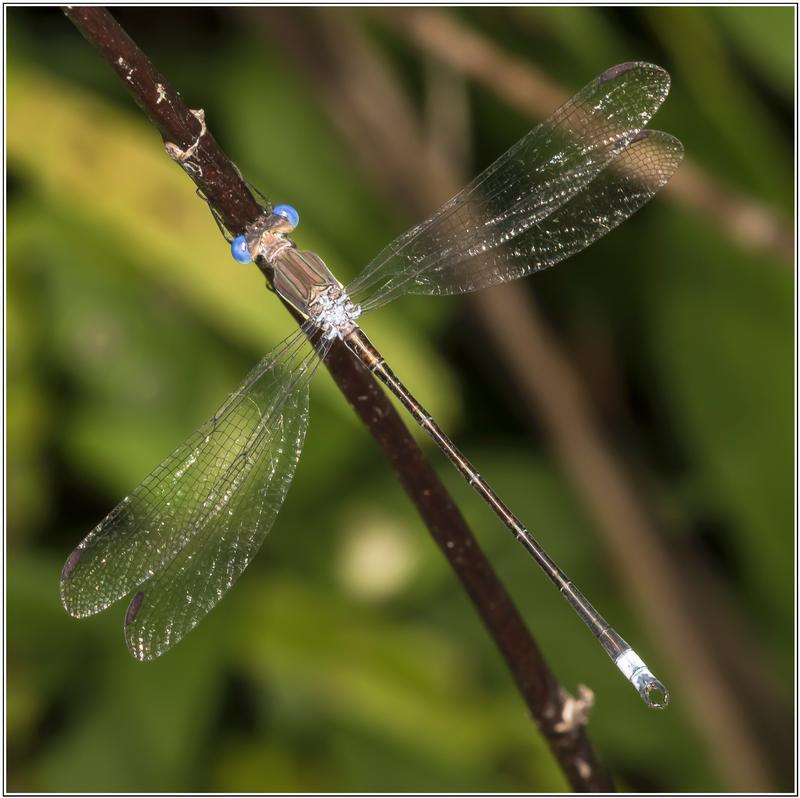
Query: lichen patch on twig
point(127, 68)
point(174, 151)
point(575, 711)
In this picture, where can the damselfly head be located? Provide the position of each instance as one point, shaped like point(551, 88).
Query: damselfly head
point(262, 236)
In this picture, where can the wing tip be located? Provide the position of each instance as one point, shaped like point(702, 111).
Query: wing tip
point(70, 608)
point(138, 651)
point(666, 141)
point(67, 571)
point(134, 607)
point(134, 640)
point(71, 563)
point(628, 66)
point(616, 71)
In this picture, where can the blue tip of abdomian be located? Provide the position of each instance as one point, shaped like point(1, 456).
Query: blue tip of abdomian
point(239, 250)
point(288, 213)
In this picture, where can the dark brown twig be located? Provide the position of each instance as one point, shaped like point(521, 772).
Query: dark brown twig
point(191, 144)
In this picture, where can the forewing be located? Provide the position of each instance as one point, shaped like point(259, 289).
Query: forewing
point(160, 517)
point(227, 530)
point(624, 186)
point(529, 183)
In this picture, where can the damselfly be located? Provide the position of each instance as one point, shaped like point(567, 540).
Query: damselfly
point(181, 538)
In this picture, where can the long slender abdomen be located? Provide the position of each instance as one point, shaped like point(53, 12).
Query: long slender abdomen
point(654, 693)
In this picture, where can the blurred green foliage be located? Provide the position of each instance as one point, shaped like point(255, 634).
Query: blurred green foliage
point(347, 658)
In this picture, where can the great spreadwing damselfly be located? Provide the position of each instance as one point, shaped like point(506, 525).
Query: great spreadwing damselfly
point(180, 539)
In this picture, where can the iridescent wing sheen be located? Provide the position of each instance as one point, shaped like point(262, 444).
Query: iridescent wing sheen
point(624, 186)
point(510, 208)
point(185, 534)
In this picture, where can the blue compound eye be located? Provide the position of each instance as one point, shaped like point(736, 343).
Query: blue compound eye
point(239, 250)
point(288, 213)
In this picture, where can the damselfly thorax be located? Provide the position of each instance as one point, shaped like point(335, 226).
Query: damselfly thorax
point(301, 277)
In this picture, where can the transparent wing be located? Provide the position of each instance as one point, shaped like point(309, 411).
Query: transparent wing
point(628, 183)
point(202, 514)
point(543, 172)
point(228, 528)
